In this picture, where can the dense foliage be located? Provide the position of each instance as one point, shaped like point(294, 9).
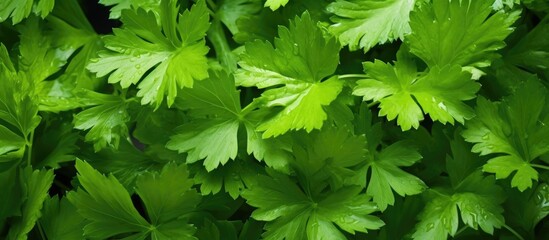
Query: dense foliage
point(276, 119)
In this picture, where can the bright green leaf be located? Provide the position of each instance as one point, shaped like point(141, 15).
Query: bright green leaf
point(515, 127)
point(299, 60)
point(458, 32)
point(401, 91)
point(387, 176)
point(366, 23)
point(20, 9)
point(106, 120)
point(275, 4)
point(161, 58)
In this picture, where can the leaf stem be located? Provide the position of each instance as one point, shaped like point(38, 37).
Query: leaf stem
point(29, 148)
point(513, 231)
point(352, 76)
point(250, 107)
point(372, 104)
point(540, 166)
point(460, 230)
point(212, 5)
point(42, 235)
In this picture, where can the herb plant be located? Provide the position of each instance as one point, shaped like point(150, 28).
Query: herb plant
point(274, 119)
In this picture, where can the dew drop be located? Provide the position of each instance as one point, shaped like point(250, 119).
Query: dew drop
point(486, 136)
point(444, 221)
point(138, 66)
point(295, 49)
point(442, 106)
point(434, 21)
point(94, 60)
point(430, 226)
point(490, 146)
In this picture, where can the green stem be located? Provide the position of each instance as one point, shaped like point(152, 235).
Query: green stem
point(352, 76)
point(540, 166)
point(513, 232)
point(29, 148)
point(460, 230)
point(372, 104)
point(212, 5)
point(250, 107)
point(41, 231)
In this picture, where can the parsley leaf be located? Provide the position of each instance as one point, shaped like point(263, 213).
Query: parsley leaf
point(212, 135)
point(60, 220)
point(232, 177)
point(18, 112)
point(401, 91)
point(387, 175)
point(332, 155)
point(301, 57)
point(477, 198)
point(117, 6)
point(20, 9)
point(291, 214)
point(35, 185)
point(107, 206)
point(106, 120)
point(516, 128)
point(458, 32)
point(365, 23)
point(230, 11)
point(275, 4)
point(162, 58)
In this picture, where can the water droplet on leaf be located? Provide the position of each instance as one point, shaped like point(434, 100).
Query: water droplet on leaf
point(295, 49)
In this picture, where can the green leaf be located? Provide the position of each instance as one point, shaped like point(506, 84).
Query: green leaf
point(117, 6)
point(9, 141)
point(125, 163)
point(20, 9)
point(300, 59)
point(232, 177)
point(11, 205)
point(275, 4)
point(110, 211)
point(168, 197)
point(74, 37)
point(18, 112)
point(478, 206)
point(516, 128)
point(458, 32)
point(35, 185)
point(401, 91)
point(106, 119)
point(387, 176)
point(16, 106)
point(366, 23)
point(477, 198)
point(531, 51)
point(230, 11)
point(161, 58)
point(107, 206)
point(37, 58)
point(212, 135)
point(288, 210)
point(332, 155)
point(60, 220)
